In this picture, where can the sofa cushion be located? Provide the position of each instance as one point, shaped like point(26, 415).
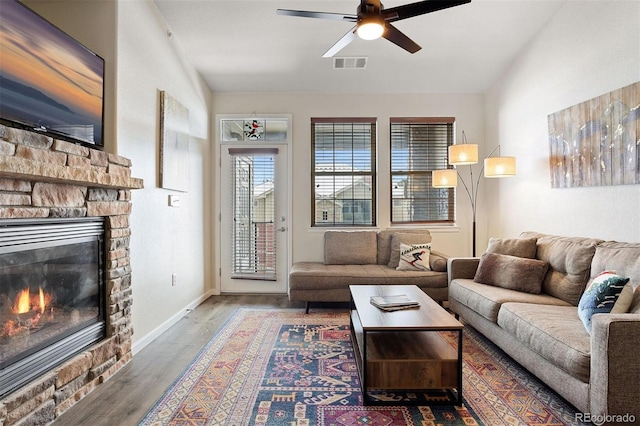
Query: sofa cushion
point(569, 260)
point(414, 257)
point(317, 276)
point(624, 258)
point(600, 296)
point(384, 241)
point(350, 247)
point(519, 247)
point(486, 299)
point(554, 332)
point(407, 239)
point(515, 273)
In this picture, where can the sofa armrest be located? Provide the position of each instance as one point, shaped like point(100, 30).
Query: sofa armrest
point(615, 365)
point(462, 267)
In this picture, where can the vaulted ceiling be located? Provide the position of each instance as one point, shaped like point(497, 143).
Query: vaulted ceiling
point(244, 46)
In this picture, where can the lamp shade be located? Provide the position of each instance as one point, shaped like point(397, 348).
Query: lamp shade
point(446, 178)
point(463, 154)
point(499, 166)
point(371, 28)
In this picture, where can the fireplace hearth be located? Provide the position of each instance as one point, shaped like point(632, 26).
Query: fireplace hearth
point(51, 294)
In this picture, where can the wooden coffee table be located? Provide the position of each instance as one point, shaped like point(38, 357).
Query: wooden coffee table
point(403, 350)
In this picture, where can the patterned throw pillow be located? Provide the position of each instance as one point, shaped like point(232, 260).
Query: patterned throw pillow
point(414, 257)
point(600, 296)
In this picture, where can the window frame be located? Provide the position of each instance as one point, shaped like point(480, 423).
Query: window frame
point(425, 172)
point(371, 173)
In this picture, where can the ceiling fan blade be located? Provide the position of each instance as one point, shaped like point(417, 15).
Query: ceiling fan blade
point(342, 43)
point(398, 38)
point(419, 8)
point(318, 15)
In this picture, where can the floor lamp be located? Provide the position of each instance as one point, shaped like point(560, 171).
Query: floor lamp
point(467, 154)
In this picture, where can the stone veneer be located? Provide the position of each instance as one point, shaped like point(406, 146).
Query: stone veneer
point(45, 177)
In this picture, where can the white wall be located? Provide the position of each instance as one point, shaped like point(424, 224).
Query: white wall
point(165, 239)
point(307, 242)
point(140, 61)
point(94, 25)
point(589, 48)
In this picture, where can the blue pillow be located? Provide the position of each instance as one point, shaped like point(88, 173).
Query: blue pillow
point(600, 296)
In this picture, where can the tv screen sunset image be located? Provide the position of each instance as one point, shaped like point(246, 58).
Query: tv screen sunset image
point(48, 80)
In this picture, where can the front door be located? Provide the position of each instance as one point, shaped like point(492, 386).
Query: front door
point(253, 243)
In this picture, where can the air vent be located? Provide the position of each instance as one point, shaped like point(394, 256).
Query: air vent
point(350, 63)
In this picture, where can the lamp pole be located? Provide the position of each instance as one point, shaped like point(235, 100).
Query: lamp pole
point(473, 196)
point(467, 154)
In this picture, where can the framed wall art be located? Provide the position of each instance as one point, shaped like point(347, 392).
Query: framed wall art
point(174, 144)
point(597, 142)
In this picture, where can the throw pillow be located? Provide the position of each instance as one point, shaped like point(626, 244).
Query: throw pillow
point(600, 296)
point(511, 272)
point(414, 257)
point(407, 238)
point(438, 261)
point(624, 301)
point(519, 247)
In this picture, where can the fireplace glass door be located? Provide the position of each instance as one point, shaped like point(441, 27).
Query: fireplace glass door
point(51, 289)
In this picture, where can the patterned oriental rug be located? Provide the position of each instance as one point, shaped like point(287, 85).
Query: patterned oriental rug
point(282, 367)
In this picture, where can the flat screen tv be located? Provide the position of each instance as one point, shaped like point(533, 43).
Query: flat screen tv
point(49, 82)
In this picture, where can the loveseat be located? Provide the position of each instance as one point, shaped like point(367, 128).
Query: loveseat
point(366, 257)
point(598, 371)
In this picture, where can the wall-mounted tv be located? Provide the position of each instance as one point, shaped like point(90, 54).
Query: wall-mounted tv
point(49, 82)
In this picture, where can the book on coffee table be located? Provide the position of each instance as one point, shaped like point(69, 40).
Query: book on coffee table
point(394, 302)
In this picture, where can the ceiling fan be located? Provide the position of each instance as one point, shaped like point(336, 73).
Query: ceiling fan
point(374, 21)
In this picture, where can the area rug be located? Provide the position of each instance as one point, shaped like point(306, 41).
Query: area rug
point(284, 367)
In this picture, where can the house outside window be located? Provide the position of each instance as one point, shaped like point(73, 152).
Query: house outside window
point(419, 146)
point(343, 171)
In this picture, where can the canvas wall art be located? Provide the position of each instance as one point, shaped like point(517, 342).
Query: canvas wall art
point(174, 144)
point(597, 142)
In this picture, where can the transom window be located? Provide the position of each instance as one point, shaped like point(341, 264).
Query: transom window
point(418, 146)
point(343, 171)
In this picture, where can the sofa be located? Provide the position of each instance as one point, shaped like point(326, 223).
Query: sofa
point(366, 257)
point(545, 329)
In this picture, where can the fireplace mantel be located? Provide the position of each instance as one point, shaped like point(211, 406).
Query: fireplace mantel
point(42, 177)
point(20, 168)
point(32, 156)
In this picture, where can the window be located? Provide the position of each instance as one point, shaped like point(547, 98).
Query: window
point(418, 146)
point(343, 171)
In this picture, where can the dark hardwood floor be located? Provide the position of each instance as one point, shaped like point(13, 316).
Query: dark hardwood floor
point(126, 397)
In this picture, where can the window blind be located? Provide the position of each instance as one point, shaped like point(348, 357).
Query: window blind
point(343, 171)
point(253, 242)
point(419, 146)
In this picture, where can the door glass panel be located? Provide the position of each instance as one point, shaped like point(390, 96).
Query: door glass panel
point(254, 130)
point(253, 211)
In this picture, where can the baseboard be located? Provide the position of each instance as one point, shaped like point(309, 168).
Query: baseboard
point(150, 337)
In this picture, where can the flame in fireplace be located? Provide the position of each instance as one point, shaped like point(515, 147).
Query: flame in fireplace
point(24, 303)
point(42, 303)
point(29, 311)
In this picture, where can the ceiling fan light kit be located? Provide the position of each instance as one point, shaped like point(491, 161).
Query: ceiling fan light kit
point(370, 28)
point(373, 21)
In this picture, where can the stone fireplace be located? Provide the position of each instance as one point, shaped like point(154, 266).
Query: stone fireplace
point(43, 180)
